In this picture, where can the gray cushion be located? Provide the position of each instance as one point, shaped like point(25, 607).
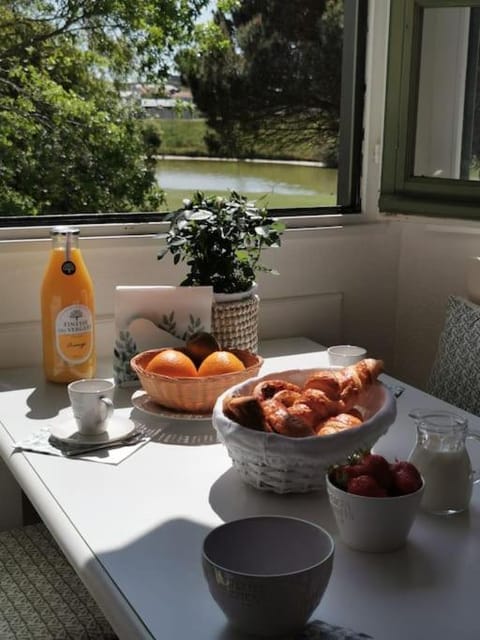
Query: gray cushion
point(455, 375)
point(41, 596)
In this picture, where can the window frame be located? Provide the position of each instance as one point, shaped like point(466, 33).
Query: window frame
point(401, 191)
point(350, 155)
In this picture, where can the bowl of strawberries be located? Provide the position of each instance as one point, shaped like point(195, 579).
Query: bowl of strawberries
point(374, 501)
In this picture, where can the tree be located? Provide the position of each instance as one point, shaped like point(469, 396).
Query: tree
point(269, 67)
point(68, 143)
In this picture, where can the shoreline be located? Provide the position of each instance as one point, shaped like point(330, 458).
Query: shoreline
point(304, 163)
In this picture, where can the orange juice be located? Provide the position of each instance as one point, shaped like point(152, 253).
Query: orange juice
point(68, 311)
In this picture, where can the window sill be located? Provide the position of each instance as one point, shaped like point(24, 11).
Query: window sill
point(145, 229)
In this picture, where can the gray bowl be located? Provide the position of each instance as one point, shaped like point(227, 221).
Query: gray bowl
point(268, 573)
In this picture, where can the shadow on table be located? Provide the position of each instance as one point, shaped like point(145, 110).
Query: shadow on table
point(411, 567)
point(231, 498)
point(47, 400)
point(178, 432)
point(166, 586)
point(161, 574)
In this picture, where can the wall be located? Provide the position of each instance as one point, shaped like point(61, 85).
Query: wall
point(324, 291)
point(432, 266)
point(433, 253)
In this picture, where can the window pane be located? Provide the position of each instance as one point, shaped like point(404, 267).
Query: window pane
point(432, 126)
point(128, 112)
point(447, 137)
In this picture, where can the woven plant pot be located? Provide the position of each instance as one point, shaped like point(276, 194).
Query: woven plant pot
point(235, 324)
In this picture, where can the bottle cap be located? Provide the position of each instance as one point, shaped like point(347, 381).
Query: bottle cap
point(63, 230)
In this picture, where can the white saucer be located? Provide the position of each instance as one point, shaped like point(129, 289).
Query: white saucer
point(119, 427)
point(141, 400)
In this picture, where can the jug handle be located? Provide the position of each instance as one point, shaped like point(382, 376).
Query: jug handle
point(416, 414)
point(473, 435)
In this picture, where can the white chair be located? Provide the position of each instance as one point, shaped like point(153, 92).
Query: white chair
point(455, 374)
point(41, 596)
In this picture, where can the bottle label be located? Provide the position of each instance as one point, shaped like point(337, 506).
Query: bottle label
point(74, 333)
point(68, 268)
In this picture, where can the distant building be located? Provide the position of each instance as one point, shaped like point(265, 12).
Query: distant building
point(169, 108)
point(170, 101)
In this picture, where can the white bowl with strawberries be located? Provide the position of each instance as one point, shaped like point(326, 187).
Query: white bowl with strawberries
point(374, 501)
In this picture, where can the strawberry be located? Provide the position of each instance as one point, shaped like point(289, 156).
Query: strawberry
point(339, 475)
point(365, 486)
point(406, 477)
point(378, 467)
point(362, 463)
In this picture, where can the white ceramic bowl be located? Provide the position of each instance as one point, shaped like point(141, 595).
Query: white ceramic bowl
point(273, 462)
point(268, 573)
point(373, 524)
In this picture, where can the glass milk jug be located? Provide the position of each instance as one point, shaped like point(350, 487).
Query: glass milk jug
point(441, 456)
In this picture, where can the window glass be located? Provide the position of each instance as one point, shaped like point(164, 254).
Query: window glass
point(448, 109)
point(119, 111)
point(432, 118)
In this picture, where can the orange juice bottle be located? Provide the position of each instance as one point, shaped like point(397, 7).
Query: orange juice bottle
point(68, 311)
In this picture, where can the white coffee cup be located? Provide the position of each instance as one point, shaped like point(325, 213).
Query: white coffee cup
point(345, 354)
point(92, 404)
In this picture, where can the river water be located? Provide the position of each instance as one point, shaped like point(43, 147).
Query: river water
point(272, 184)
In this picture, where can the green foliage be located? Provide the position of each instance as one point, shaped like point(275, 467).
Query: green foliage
point(68, 143)
point(124, 350)
point(168, 323)
point(269, 68)
point(182, 137)
point(221, 240)
point(186, 137)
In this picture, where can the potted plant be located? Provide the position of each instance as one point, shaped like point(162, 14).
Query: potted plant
point(221, 240)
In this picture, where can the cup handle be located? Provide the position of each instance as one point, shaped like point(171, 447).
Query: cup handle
point(107, 406)
point(475, 436)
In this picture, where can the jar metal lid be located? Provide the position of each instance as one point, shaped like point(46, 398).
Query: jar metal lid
point(64, 230)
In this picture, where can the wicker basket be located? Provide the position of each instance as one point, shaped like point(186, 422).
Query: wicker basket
point(235, 324)
point(192, 395)
point(281, 464)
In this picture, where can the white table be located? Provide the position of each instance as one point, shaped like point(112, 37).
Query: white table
point(134, 531)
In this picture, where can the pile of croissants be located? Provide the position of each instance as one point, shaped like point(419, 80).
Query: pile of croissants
point(325, 404)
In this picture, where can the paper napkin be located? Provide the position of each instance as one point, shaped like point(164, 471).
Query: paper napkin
point(41, 442)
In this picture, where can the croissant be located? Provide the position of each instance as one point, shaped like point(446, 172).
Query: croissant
point(344, 386)
point(324, 405)
point(270, 388)
point(269, 415)
point(282, 420)
point(337, 423)
point(245, 410)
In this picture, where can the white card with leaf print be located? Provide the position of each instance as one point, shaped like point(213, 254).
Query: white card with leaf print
point(150, 317)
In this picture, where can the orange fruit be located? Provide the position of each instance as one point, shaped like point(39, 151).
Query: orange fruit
point(220, 362)
point(173, 363)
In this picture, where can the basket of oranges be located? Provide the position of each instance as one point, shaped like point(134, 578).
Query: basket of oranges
point(181, 379)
